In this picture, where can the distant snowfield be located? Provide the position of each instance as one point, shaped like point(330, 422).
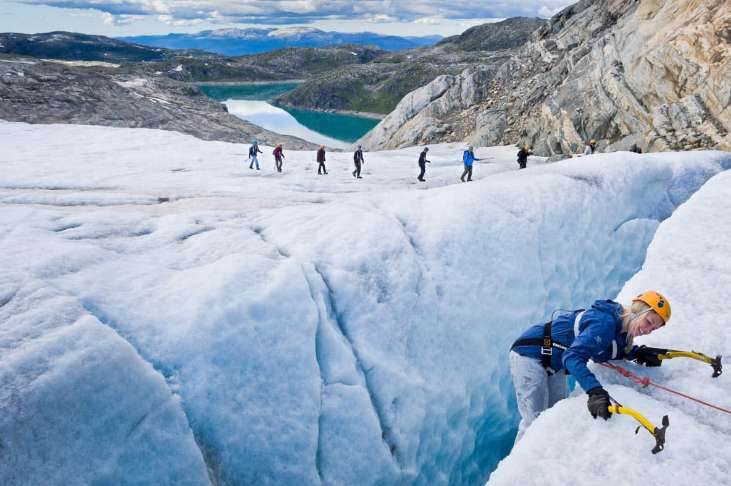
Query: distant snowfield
point(169, 316)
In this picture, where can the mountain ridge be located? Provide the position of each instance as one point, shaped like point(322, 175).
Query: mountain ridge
point(238, 42)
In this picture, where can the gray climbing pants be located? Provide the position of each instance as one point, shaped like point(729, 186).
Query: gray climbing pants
point(534, 389)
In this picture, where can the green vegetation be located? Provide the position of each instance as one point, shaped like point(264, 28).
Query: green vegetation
point(373, 88)
point(259, 91)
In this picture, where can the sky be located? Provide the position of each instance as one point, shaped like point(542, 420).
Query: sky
point(136, 17)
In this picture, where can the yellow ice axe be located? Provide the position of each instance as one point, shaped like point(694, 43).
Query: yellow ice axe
point(657, 432)
point(714, 362)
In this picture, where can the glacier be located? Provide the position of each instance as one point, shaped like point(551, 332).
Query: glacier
point(168, 316)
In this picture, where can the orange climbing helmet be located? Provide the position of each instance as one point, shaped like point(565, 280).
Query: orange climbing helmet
point(657, 302)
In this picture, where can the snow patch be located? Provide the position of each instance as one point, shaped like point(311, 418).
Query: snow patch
point(133, 83)
point(84, 63)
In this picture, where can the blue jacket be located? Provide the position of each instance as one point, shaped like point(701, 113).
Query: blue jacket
point(600, 339)
point(468, 157)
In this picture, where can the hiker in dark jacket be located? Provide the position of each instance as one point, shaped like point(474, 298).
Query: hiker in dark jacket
point(253, 150)
point(422, 163)
point(523, 154)
point(278, 156)
point(358, 161)
point(321, 161)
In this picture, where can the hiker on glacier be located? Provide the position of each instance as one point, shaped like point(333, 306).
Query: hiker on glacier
point(468, 158)
point(523, 154)
point(541, 357)
point(358, 161)
point(422, 164)
point(278, 154)
point(253, 151)
point(321, 169)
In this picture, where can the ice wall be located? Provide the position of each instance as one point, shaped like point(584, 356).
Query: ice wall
point(78, 404)
point(689, 261)
point(360, 340)
point(431, 289)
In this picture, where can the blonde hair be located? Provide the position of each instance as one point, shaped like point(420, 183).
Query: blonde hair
point(637, 307)
point(635, 310)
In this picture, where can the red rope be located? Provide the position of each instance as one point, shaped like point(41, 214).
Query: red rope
point(645, 381)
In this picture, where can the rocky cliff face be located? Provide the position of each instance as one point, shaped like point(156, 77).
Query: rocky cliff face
point(652, 72)
point(55, 92)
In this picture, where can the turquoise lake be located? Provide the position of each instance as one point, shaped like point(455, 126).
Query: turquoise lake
point(251, 102)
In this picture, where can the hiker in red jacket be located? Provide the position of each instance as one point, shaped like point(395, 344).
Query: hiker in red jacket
point(278, 156)
point(321, 161)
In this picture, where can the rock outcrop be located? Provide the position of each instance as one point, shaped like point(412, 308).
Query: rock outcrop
point(508, 34)
point(652, 72)
point(57, 92)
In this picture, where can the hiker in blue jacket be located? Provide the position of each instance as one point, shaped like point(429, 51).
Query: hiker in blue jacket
point(543, 355)
point(468, 157)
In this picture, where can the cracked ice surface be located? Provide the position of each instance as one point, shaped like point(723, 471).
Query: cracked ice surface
point(689, 260)
point(261, 328)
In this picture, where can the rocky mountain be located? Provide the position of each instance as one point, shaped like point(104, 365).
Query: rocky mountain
point(652, 72)
point(281, 64)
point(377, 86)
point(508, 34)
point(71, 46)
point(187, 65)
point(92, 93)
point(237, 42)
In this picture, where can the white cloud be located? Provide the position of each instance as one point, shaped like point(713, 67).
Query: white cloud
point(429, 20)
point(380, 18)
point(170, 20)
point(424, 12)
point(110, 19)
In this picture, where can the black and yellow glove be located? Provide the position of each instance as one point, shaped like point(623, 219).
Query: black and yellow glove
point(649, 356)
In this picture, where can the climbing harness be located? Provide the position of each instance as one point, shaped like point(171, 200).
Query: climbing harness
point(547, 343)
point(657, 432)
